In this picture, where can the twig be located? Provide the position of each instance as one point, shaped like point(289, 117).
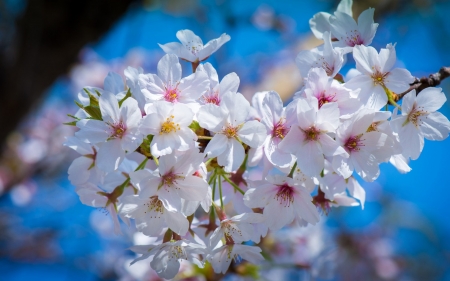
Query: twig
point(425, 82)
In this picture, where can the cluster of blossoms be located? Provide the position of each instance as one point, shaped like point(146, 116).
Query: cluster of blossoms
point(160, 147)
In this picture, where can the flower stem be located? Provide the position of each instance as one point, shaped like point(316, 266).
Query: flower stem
point(220, 191)
point(142, 165)
point(291, 173)
point(234, 185)
point(204, 137)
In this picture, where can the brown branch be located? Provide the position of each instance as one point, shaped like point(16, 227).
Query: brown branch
point(425, 82)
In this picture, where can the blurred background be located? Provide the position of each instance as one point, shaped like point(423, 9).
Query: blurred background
point(50, 50)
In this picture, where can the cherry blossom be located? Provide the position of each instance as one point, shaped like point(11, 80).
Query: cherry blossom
point(220, 258)
point(191, 47)
point(420, 120)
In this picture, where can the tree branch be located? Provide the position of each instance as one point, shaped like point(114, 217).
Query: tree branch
point(425, 82)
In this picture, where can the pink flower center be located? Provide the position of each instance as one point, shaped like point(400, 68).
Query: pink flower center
point(279, 130)
point(323, 98)
point(285, 195)
point(171, 94)
point(117, 130)
point(169, 179)
point(312, 134)
point(353, 38)
point(213, 98)
point(354, 143)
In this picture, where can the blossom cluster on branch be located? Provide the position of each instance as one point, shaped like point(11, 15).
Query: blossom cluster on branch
point(166, 146)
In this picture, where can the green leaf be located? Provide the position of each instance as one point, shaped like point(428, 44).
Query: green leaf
point(74, 117)
point(195, 126)
point(73, 123)
point(79, 105)
point(93, 111)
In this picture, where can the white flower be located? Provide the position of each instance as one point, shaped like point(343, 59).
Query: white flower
point(192, 48)
point(174, 180)
point(229, 83)
point(325, 89)
point(237, 229)
point(320, 22)
point(116, 135)
point(366, 148)
point(377, 74)
point(167, 256)
point(221, 258)
point(283, 200)
point(151, 216)
point(168, 123)
point(420, 120)
point(84, 168)
point(327, 57)
point(132, 76)
point(309, 139)
point(228, 123)
point(278, 122)
point(169, 86)
point(349, 33)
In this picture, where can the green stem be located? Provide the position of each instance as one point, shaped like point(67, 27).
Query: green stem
point(156, 161)
point(204, 137)
point(234, 185)
point(142, 165)
point(291, 173)
point(220, 191)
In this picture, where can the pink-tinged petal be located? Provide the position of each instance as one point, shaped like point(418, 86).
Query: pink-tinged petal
point(277, 215)
point(188, 38)
point(275, 155)
point(131, 141)
point(255, 154)
point(398, 80)
point(150, 124)
point(177, 222)
point(257, 197)
point(183, 115)
point(110, 155)
point(92, 131)
point(193, 87)
point(217, 146)
point(305, 209)
point(319, 24)
point(411, 139)
point(343, 166)
point(363, 83)
point(109, 106)
point(188, 163)
point(130, 113)
point(387, 58)
point(366, 59)
point(233, 157)
point(152, 87)
point(211, 117)
point(292, 140)
point(306, 60)
point(113, 83)
point(211, 72)
point(229, 83)
point(307, 112)
point(153, 226)
point(179, 50)
point(79, 170)
point(238, 108)
point(400, 162)
point(310, 158)
point(164, 144)
point(170, 198)
point(207, 50)
point(330, 147)
point(365, 165)
point(408, 102)
point(434, 126)
point(328, 117)
point(340, 25)
point(356, 190)
point(366, 26)
point(169, 69)
point(89, 196)
point(378, 99)
point(249, 253)
point(253, 133)
point(192, 188)
point(344, 200)
point(273, 108)
point(431, 99)
point(79, 146)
